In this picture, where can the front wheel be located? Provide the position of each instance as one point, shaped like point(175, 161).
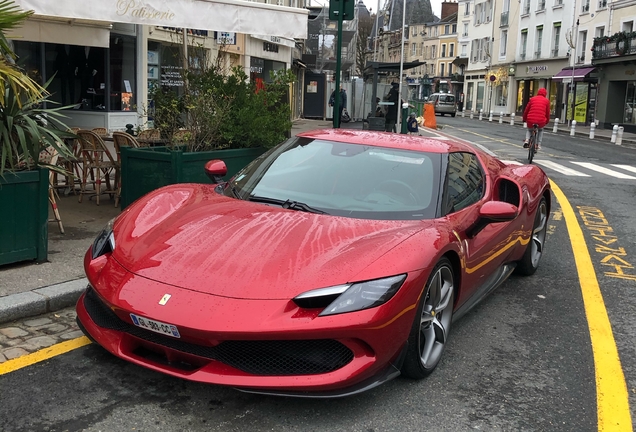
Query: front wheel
point(534, 251)
point(531, 149)
point(432, 323)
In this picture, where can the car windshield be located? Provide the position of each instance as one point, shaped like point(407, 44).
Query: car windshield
point(351, 180)
point(447, 98)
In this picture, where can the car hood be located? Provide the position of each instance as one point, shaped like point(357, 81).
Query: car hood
point(191, 237)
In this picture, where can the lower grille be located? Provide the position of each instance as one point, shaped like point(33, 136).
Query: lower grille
point(270, 357)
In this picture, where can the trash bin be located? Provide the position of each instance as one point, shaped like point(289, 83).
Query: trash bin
point(376, 123)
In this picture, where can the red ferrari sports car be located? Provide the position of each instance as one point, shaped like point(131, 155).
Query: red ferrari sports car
point(332, 263)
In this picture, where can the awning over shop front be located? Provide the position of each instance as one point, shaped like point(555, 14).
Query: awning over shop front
point(220, 15)
point(579, 74)
point(79, 32)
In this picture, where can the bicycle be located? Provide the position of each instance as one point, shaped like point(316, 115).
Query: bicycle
point(532, 142)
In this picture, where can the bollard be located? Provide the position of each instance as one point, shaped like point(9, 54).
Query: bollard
point(573, 128)
point(619, 136)
point(481, 112)
point(463, 111)
point(512, 119)
point(555, 128)
point(490, 116)
point(500, 117)
point(592, 128)
point(614, 132)
point(471, 112)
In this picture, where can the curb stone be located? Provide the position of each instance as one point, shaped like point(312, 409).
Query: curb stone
point(42, 300)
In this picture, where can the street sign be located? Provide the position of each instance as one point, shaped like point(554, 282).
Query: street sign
point(334, 7)
point(567, 80)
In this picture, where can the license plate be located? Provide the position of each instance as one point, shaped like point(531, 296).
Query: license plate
point(155, 326)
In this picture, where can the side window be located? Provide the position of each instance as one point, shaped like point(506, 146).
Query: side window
point(464, 183)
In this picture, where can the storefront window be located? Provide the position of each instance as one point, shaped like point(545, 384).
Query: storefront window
point(480, 95)
point(123, 81)
point(554, 85)
point(29, 58)
point(469, 95)
point(630, 103)
point(520, 90)
point(501, 94)
point(79, 75)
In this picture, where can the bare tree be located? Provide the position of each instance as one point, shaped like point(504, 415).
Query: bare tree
point(365, 25)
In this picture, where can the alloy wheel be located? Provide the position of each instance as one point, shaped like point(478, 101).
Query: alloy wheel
point(539, 233)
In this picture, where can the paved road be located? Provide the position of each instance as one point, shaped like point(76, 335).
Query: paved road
point(522, 360)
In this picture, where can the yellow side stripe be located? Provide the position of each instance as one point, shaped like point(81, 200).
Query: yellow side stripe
point(43, 354)
point(612, 398)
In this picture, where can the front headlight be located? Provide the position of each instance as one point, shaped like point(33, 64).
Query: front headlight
point(353, 297)
point(105, 241)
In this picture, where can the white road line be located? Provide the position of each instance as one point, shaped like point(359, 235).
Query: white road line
point(625, 167)
point(603, 170)
point(560, 168)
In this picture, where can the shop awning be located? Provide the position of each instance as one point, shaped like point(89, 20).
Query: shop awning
point(579, 74)
point(88, 33)
point(220, 15)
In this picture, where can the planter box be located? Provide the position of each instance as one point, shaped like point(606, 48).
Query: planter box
point(146, 169)
point(24, 217)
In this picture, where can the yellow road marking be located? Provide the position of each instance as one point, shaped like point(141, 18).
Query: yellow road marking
point(43, 354)
point(612, 398)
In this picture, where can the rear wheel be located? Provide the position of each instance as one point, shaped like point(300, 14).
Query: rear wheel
point(431, 327)
point(530, 261)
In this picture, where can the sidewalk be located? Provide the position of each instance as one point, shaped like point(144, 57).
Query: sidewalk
point(29, 289)
point(601, 135)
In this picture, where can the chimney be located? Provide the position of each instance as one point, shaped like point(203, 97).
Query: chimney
point(448, 8)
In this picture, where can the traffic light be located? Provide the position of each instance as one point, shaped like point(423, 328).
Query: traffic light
point(348, 8)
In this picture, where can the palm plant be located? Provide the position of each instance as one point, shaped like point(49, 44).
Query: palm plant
point(25, 127)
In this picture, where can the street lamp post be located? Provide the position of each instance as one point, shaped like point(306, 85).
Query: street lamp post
point(399, 102)
point(572, 84)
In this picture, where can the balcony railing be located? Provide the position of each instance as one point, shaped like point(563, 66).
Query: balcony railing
point(585, 7)
point(555, 52)
point(537, 54)
point(581, 58)
point(607, 47)
point(503, 22)
point(602, 4)
point(522, 56)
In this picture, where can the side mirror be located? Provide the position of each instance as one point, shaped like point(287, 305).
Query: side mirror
point(492, 212)
point(216, 170)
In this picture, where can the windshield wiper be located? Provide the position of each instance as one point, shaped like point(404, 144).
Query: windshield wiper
point(288, 204)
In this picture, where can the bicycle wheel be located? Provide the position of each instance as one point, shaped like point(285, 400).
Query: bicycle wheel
point(531, 147)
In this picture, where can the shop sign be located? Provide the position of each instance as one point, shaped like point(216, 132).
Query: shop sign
point(276, 40)
point(257, 65)
point(171, 76)
point(536, 69)
point(270, 47)
point(138, 9)
point(225, 38)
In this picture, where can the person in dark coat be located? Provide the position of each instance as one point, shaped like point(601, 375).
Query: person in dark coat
point(343, 101)
point(392, 110)
point(537, 112)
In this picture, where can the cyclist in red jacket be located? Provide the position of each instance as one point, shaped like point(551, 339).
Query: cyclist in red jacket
point(537, 112)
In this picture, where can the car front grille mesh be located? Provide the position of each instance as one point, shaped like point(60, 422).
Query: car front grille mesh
point(266, 357)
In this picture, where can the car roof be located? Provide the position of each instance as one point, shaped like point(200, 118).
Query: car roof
point(389, 139)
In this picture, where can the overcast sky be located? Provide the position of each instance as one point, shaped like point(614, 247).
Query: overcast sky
point(373, 4)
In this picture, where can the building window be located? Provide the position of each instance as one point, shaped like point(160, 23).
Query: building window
point(454, 28)
point(599, 32)
point(524, 43)
point(628, 26)
point(503, 41)
point(446, 29)
point(443, 50)
point(464, 46)
point(465, 32)
point(413, 48)
point(582, 45)
point(450, 69)
point(433, 52)
point(556, 32)
point(526, 7)
point(467, 9)
point(585, 6)
point(414, 31)
point(501, 94)
point(539, 42)
point(451, 50)
point(441, 69)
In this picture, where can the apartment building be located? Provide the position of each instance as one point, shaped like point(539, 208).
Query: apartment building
point(612, 43)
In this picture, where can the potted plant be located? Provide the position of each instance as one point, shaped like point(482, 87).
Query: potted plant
point(225, 117)
point(25, 130)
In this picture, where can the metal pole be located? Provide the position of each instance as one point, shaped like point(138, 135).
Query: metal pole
point(185, 49)
point(399, 102)
point(336, 105)
point(572, 84)
point(377, 32)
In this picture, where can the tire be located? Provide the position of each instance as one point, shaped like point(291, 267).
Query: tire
point(430, 331)
point(529, 263)
point(453, 114)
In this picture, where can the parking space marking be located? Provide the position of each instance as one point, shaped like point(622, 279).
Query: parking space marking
point(612, 398)
point(43, 354)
